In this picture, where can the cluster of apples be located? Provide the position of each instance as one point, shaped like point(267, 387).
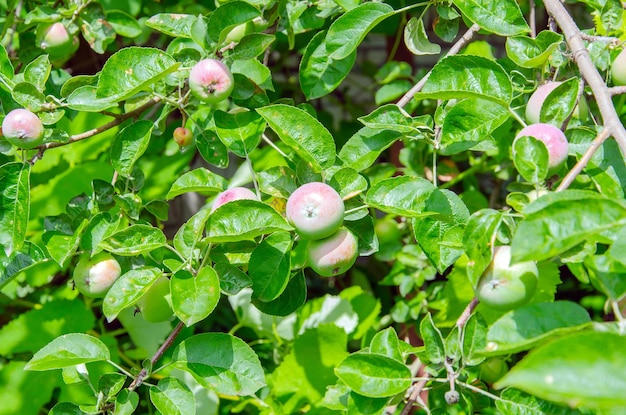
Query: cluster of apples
point(316, 211)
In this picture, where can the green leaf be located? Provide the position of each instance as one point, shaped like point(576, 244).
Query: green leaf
point(559, 221)
point(126, 402)
point(194, 298)
point(527, 327)
point(6, 67)
point(402, 195)
point(374, 375)
point(15, 205)
point(28, 96)
point(190, 233)
point(532, 53)
point(474, 339)
point(37, 72)
point(607, 275)
point(242, 220)
point(348, 31)
point(84, 99)
point(503, 18)
point(307, 370)
point(134, 240)
point(469, 122)
point(199, 180)
point(131, 70)
point(240, 132)
point(28, 256)
point(460, 76)
point(227, 16)
point(389, 117)
point(270, 266)
point(365, 146)
point(479, 232)
point(303, 133)
point(251, 46)
point(279, 181)
point(564, 370)
point(173, 24)
point(441, 236)
point(348, 182)
point(123, 23)
point(516, 402)
point(530, 157)
point(416, 39)
point(129, 145)
point(319, 73)
point(259, 74)
point(62, 246)
point(433, 340)
point(291, 299)
point(68, 350)
point(560, 103)
point(128, 289)
point(221, 362)
point(171, 396)
point(386, 343)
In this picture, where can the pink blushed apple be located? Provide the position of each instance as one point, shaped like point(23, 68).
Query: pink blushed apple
point(553, 138)
point(316, 210)
point(211, 81)
point(93, 276)
point(234, 193)
point(333, 255)
point(22, 128)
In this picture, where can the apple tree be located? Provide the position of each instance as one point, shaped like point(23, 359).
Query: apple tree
point(323, 206)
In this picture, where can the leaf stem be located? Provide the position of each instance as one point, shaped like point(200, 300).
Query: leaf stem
point(575, 171)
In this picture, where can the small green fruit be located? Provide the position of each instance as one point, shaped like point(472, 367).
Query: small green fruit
point(153, 305)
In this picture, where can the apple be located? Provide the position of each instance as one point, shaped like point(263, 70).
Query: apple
point(93, 276)
point(183, 136)
point(333, 255)
point(504, 286)
point(153, 305)
point(211, 81)
point(316, 210)
point(238, 32)
point(618, 69)
point(536, 100)
point(56, 41)
point(553, 138)
point(234, 193)
point(23, 128)
point(491, 370)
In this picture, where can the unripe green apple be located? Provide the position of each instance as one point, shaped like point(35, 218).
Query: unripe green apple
point(22, 128)
point(234, 193)
point(183, 136)
point(238, 32)
point(491, 370)
point(553, 138)
point(153, 305)
point(333, 255)
point(618, 69)
point(56, 41)
point(211, 81)
point(504, 286)
point(316, 210)
point(93, 276)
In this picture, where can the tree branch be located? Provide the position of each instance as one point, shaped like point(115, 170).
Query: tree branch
point(588, 71)
point(575, 171)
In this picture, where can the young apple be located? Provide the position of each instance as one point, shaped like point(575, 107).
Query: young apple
point(553, 138)
point(504, 286)
point(234, 193)
point(93, 276)
point(333, 255)
point(22, 128)
point(56, 41)
point(211, 81)
point(536, 100)
point(618, 69)
point(316, 210)
point(183, 136)
point(154, 306)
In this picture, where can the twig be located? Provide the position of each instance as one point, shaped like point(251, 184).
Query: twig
point(575, 171)
point(593, 38)
point(617, 90)
point(157, 355)
point(588, 71)
point(532, 17)
point(95, 131)
point(467, 313)
point(415, 394)
point(467, 36)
